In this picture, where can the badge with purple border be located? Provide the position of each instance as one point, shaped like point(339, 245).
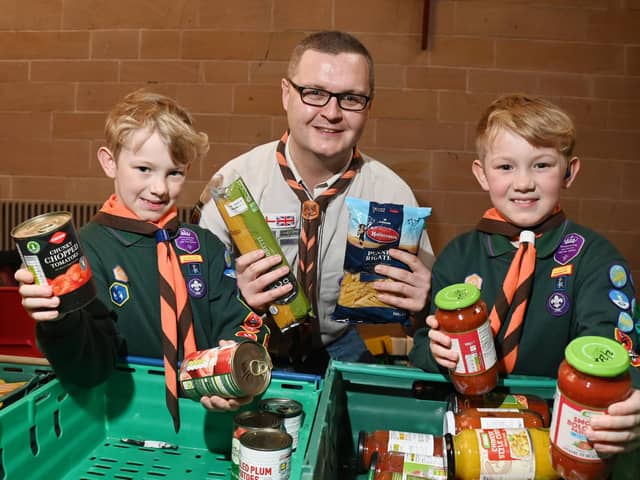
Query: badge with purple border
point(558, 304)
point(196, 287)
point(569, 249)
point(187, 240)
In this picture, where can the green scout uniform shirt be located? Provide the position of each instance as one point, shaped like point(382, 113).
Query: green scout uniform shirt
point(125, 318)
point(582, 286)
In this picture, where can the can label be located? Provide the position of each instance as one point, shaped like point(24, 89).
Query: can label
point(49, 248)
point(230, 371)
point(250, 421)
point(265, 456)
point(292, 412)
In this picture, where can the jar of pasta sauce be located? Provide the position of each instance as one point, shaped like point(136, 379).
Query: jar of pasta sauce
point(518, 453)
point(395, 441)
point(398, 466)
point(593, 375)
point(462, 315)
point(486, 418)
point(502, 400)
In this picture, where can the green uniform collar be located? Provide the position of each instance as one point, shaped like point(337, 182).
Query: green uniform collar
point(496, 245)
point(129, 238)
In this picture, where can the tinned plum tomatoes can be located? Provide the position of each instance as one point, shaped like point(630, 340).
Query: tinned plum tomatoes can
point(48, 246)
point(231, 371)
point(250, 421)
point(265, 455)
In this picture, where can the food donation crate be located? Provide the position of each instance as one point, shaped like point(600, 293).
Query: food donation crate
point(359, 397)
point(22, 380)
point(76, 434)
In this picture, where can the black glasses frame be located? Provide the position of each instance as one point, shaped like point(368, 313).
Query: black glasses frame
point(339, 97)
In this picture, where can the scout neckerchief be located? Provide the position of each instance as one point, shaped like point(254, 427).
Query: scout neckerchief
point(312, 211)
point(175, 309)
point(516, 286)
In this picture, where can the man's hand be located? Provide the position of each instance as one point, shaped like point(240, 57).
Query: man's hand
point(410, 288)
point(254, 277)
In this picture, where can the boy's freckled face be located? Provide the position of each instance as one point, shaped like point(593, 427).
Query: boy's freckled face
point(524, 182)
point(147, 181)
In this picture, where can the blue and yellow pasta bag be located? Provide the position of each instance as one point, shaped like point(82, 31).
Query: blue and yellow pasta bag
point(374, 228)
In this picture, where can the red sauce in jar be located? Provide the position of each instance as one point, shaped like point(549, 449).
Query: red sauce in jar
point(463, 316)
point(486, 418)
point(382, 441)
point(593, 375)
point(502, 400)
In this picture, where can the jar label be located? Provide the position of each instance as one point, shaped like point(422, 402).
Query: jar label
point(418, 466)
point(569, 422)
point(492, 422)
point(476, 350)
point(409, 442)
point(506, 454)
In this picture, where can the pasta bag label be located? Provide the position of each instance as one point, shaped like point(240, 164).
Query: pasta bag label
point(250, 231)
point(374, 228)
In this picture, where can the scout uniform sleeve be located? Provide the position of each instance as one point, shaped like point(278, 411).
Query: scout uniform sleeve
point(82, 346)
point(605, 302)
point(231, 318)
point(420, 355)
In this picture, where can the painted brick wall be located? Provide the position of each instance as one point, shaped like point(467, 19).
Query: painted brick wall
point(63, 63)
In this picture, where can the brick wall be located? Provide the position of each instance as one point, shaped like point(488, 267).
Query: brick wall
point(63, 63)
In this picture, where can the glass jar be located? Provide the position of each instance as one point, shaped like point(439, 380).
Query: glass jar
point(397, 465)
point(593, 375)
point(487, 418)
point(457, 402)
point(462, 315)
point(499, 454)
point(382, 441)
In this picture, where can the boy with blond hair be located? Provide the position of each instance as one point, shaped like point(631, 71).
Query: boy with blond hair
point(565, 280)
point(162, 291)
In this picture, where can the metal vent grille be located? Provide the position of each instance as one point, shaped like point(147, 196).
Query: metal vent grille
point(14, 212)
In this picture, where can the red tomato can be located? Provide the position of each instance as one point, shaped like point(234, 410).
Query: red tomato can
point(250, 421)
point(231, 371)
point(48, 246)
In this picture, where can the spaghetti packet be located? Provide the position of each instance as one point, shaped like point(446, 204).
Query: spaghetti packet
point(374, 228)
point(250, 231)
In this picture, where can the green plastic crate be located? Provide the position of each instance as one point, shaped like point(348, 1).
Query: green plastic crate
point(378, 397)
point(75, 435)
point(34, 376)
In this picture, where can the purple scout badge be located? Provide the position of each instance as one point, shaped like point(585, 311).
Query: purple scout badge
point(569, 248)
point(187, 240)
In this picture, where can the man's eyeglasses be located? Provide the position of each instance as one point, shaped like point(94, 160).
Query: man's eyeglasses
point(316, 97)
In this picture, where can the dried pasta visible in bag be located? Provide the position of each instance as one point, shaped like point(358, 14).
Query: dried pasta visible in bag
point(374, 228)
point(250, 231)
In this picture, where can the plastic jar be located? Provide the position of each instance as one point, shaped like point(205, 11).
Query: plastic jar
point(457, 402)
point(593, 375)
point(382, 441)
point(396, 465)
point(487, 418)
point(462, 315)
point(499, 454)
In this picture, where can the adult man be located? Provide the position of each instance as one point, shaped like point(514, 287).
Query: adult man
point(308, 173)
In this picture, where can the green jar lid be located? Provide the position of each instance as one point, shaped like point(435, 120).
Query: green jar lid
point(599, 356)
point(458, 295)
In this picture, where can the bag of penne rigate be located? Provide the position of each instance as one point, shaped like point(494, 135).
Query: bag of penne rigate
point(250, 231)
point(374, 228)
